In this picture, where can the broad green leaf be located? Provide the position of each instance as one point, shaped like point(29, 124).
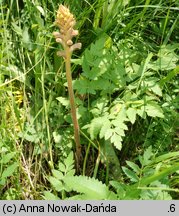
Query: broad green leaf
point(121, 116)
point(70, 172)
point(148, 153)
point(94, 62)
point(133, 191)
point(61, 167)
point(57, 137)
point(159, 175)
point(156, 89)
point(77, 197)
point(88, 58)
point(131, 114)
point(85, 63)
point(6, 158)
point(57, 184)
point(69, 161)
point(119, 131)
point(123, 126)
point(153, 85)
point(77, 61)
point(146, 159)
point(106, 126)
point(144, 65)
point(129, 173)
point(64, 101)
point(4, 150)
point(14, 72)
point(167, 58)
point(57, 174)
point(169, 76)
point(167, 62)
point(154, 110)
point(2, 181)
point(155, 194)
point(109, 155)
point(98, 46)
point(93, 73)
point(141, 112)
point(50, 196)
point(84, 86)
point(102, 84)
point(25, 36)
point(120, 119)
point(116, 109)
point(119, 187)
point(41, 10)
point(163, 157)
point(108, 134)
point(16, 28)
point(96, 126)
point(9, 170)
point(1, 145)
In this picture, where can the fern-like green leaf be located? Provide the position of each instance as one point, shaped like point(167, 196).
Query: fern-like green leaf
point(90, 187)
point(69, 162)
point(131, 114)
point(95, 127)
point(106, 126)
point(129, 173)
point(116, 140)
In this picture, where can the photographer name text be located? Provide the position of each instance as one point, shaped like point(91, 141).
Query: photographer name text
point(52, 208)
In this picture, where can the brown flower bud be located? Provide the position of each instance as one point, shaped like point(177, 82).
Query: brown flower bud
point(75, 46)
point(69, 42)
point(66, 22)
point(59, 40)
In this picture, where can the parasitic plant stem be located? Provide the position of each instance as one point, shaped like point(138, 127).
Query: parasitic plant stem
point(72, 104)
point(65, 21)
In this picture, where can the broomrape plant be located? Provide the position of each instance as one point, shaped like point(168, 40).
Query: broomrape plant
point(126, 96)
point(66, 22)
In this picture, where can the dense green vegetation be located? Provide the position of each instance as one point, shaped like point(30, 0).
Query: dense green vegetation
point(125, 80)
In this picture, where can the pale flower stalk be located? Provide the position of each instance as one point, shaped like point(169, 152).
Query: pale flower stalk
point(66, 22)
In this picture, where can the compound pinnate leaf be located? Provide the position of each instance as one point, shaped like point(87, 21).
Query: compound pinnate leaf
point(105, 128)
point(154, 110)
point(91, 187)
point(129, 173)
point(131, 114)
point(116, 139)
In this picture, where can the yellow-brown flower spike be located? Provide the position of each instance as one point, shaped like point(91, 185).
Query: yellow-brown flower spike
point(66, 22)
